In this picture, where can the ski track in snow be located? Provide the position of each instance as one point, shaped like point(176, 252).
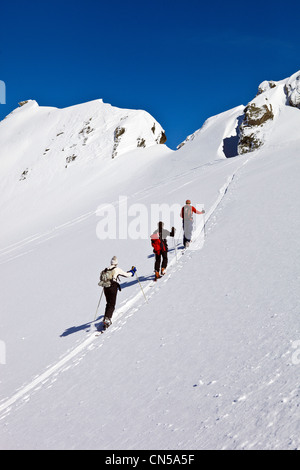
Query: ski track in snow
point(38, 239)
point(16, 250)
point(73, 357)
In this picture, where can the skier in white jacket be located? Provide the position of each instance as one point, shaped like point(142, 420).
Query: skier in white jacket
point(112, 291)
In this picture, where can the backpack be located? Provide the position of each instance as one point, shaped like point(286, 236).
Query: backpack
point(106, 277)
point(187, 212)
point(157, 244)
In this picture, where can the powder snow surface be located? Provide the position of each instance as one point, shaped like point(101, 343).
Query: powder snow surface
point(210, 361)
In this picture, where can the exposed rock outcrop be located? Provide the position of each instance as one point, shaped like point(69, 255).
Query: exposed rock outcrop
point(119, 131)
point(271, 99)
point(292, 90)
point(251, 137)
point(162, 138)
point(265, 86)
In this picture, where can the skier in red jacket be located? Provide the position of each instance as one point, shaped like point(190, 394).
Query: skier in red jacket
point(188, 221)
point(160, 249)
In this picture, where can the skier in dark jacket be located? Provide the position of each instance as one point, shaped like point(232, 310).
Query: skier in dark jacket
point(160, 248)
point(112, 291)
point(188, 221)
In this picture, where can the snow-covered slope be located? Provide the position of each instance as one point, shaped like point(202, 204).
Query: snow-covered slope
point(217, 138)
point(211, 359)
point(63, 158)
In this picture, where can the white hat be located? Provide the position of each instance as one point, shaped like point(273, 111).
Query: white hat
point(114, 261)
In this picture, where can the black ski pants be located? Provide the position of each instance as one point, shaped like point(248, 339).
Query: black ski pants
point(111, 299)
point(161, 260)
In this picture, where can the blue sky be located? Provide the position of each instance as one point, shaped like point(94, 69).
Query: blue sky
point(182, 61)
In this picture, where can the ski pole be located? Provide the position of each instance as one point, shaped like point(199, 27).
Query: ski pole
point(181, 231)
point(175, 248)
point(141, 287)
point(204, 225)
point(99, 304)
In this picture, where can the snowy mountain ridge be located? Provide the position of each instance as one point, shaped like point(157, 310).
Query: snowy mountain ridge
point(91, 130)
point(59, 154)
point(246, 129)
